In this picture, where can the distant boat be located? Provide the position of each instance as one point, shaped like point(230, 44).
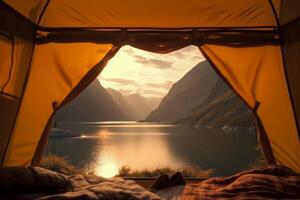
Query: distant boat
point(55, 132)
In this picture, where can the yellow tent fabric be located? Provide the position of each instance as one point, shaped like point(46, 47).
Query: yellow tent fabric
point(257, 74)
point(22, 50)
point(37, 77)
point(32, 9)
point(155, 13)
point(15, 54)
point(56, 69)
point(5, 53)
point(291, 49)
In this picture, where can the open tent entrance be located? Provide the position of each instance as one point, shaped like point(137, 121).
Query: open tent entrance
point(53, 51)
point(243, 74)
point(194, 108)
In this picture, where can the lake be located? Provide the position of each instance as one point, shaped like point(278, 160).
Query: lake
point(106, 146)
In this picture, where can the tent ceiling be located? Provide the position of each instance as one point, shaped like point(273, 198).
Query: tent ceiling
point(233, 29)
point(154, 13)
point(31, 9)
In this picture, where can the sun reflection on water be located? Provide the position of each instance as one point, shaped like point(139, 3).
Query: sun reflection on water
point(107, 169)
point(139, 150)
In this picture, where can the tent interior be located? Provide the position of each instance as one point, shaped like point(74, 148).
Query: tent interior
point(50, 50)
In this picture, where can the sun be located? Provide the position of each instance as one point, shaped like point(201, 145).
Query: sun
point(107, 170)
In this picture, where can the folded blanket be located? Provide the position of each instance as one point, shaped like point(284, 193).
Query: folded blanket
point(35, 183)
point(272, 182)
point(97, 188)
point(30, 179)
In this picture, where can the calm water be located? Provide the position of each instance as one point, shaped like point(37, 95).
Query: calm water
point(107, 146)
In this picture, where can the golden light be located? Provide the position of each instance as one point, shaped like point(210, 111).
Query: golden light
point(108, 169)
point(147, 70)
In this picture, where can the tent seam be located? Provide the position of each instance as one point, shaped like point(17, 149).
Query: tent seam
point(10, 95)
point(24, 86)
point(285, 69)
point(11, 65)
point(19, 106)
point(50, 29)
point(43, 11)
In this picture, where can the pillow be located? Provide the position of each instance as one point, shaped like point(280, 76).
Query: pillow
point(31, 180)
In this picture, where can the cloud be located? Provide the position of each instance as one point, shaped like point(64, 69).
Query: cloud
point(190, 49)
point(126, 91)
point(121, 81)
point(165, 85)
point(188, 53)
point(152, 74)
point(143, 92)
point(140, 59)
point(198, 58)
point(152, 62)
point(161, 64)
point(179, 55)
point(129, 51)
point(149, 92)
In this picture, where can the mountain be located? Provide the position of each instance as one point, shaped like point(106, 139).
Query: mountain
point(93, 104)
point(134, 106)
point(141, 106)
point(138, 105)
point(222, 108)
point(153, 103)
point(191, 90)
point(202, 98)
point(120, 100)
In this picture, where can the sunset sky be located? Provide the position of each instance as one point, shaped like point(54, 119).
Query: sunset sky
point(133, 70)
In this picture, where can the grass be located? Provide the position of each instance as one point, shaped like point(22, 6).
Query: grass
point(62, 165)
point(188, 172)
point(59, 164)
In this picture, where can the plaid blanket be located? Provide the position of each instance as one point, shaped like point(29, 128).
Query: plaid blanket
point(271, 182)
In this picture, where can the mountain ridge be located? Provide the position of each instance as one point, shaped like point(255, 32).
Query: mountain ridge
point(223, 109)
point(182, 97)
point(218, 106)
point(90, 106)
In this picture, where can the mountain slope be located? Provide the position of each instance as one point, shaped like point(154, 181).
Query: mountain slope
point(191, 90)
point(153, 103)
point(93, 104)
point(222, 108)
